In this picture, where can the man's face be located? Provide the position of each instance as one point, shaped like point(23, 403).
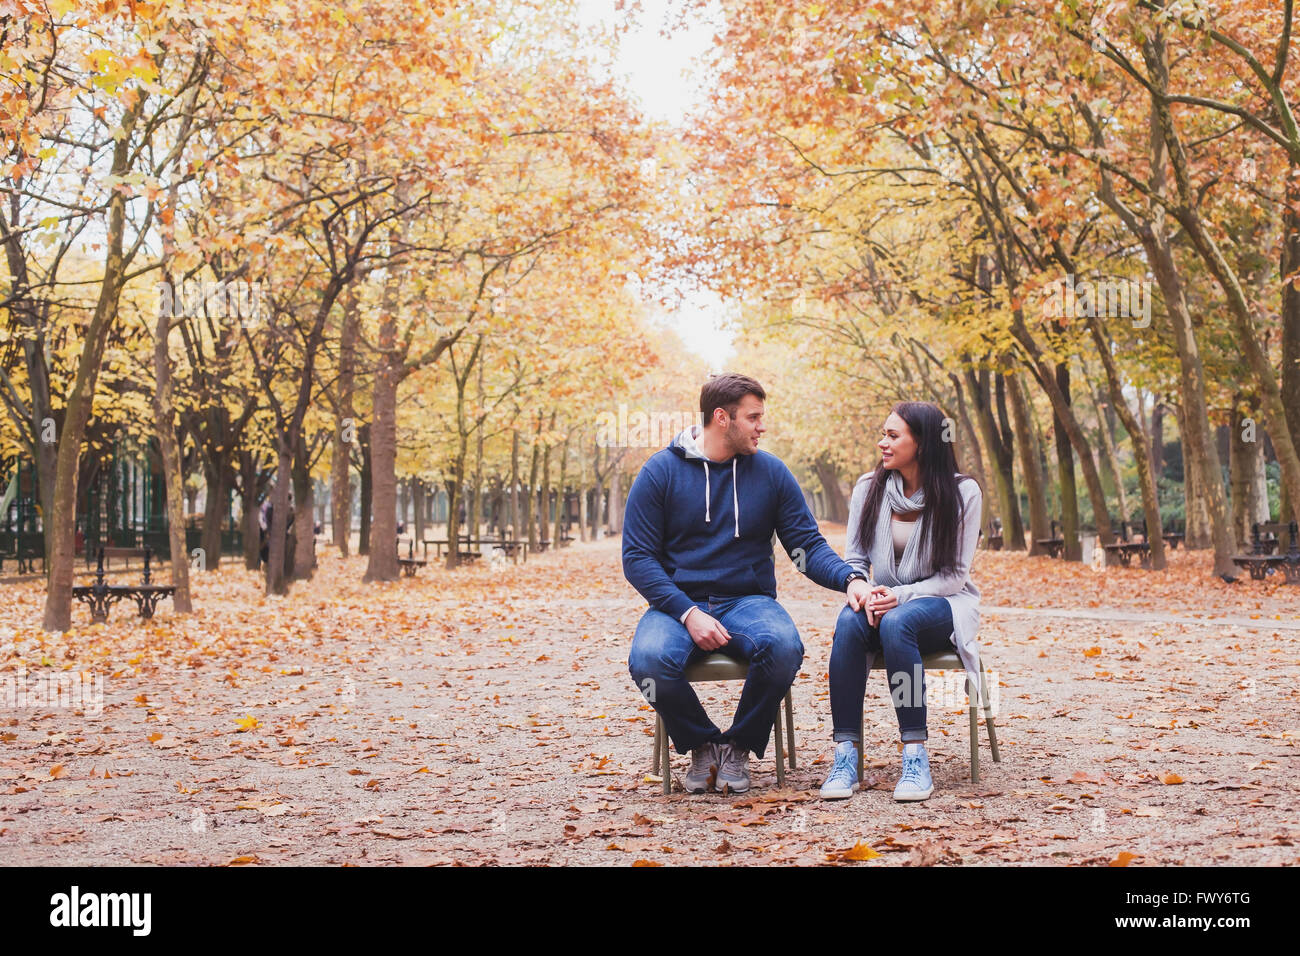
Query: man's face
point(744, 430)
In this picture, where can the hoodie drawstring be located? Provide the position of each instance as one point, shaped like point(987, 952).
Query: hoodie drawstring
point(735, 500)
point(706, 492)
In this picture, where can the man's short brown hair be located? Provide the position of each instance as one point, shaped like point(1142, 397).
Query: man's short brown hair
point(725, 391)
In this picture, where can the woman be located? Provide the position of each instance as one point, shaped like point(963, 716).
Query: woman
point(916, 521)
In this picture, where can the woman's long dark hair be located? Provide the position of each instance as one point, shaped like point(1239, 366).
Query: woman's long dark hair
point(939, 480)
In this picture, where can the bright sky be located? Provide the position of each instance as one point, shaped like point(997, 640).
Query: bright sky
point(658, 71)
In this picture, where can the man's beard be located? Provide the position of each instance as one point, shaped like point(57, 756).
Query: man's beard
point(738, 443)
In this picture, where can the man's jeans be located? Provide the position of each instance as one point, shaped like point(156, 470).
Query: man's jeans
point(762, 633)
point(920, 626)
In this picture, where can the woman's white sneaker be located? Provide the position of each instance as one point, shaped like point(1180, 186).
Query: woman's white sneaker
point(915, 784)
point(843, 778)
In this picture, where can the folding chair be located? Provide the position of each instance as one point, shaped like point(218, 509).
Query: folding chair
point(721, 667)
point(948, 660)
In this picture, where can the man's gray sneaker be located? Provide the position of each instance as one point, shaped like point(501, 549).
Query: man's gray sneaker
point(704, 762)
point(733, 768)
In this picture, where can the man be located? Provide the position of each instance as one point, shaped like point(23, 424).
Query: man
point(697, 545)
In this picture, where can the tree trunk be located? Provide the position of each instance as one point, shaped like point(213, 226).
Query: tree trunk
point(61, 529)
point(345, 425)
point(1039, 523)
point(421, 500)
point(1013, 530)
point(367, 492)
point(837, 509)
point(1198, 533)
point(1110, 455)
point(597, 496)
point(1072, 550)
point(582, 513)
point(217, 478)
point(382, 565)
point(1246, 470)
point(976, 454)
point(304, 536)
point(616, 502)
point(514, 483)
point(248, 510)
point(455, 496)
point(165, 426)
point(563, 522)
point(530, 499)
point(1291, 321)
point(277, 534)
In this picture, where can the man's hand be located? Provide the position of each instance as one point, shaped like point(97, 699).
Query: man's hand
point(707, 632)
point(881, 600)
point(859, 593)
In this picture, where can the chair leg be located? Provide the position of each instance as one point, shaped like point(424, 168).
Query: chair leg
point(659, 732)
point(780, 749)
point(789, 727)
point(665, 760)
point(988, 716)
point(862, 743)
point(974, 735)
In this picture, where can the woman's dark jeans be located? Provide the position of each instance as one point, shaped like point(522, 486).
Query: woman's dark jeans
point(922, 625)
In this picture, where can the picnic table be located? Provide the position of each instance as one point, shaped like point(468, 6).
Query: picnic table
point(101, 596)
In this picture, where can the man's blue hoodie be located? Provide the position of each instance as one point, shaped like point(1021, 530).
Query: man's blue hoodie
point(695, 528)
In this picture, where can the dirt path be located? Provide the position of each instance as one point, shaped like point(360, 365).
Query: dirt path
point(486, 716)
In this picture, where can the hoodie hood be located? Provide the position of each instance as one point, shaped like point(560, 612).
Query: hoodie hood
point(685, 445)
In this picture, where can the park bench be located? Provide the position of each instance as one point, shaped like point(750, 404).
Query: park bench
point(512, 548)
point(566, 539)
point(410, 564)
point(1171, 537)
point(1124, 550)
point(101, 596)
point(1052, 545)
point(438, 545)
point(1262, 561)
point(109, 552)
point(23, 547)
point(1267, 537)
point(993, 541)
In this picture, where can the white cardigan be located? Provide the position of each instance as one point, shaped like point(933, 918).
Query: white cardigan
point(956, 585)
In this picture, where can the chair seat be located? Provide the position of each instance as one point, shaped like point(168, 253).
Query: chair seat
point(942, 660)
point(717, 667)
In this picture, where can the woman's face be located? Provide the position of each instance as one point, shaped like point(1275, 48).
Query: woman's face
point(897, 446)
